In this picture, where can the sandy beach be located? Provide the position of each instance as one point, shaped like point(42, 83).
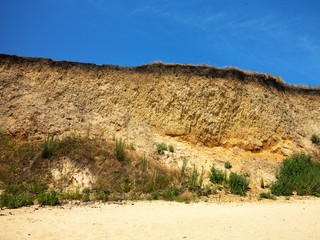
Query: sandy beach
point(297, 219)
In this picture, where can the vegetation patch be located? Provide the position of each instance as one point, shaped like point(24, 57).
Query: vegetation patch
point(315, 138)
point(15, 200)
point(161, 147)
point(238, 184)
point(227, 165)
point(267, 196)
point(217, 176)
point(49, 198)
point(119, 151)
point(297, 173)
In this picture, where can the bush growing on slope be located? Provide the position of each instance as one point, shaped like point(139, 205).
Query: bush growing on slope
point(238, 184)
point(315, 138)
point(297, 173)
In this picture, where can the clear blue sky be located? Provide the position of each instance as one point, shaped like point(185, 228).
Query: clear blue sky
point(275, 36)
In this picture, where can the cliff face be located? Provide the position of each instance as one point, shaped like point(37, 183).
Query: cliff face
point(208, 113)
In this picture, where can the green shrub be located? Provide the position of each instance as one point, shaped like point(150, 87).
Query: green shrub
point(297, 173)
point(184, 166)
point(119, 151)
point(227, 165)
point(49, 146)
point(50, 198)
point(161, 147)
point(193, 178)
point(15, 201)
point(238, 184)
point(86, 195)
point(315, 138)
point(155, 195)
point(282, 187)
point(38, 187)
point(127, 186)
point(207, 191)
point(171, 149)
point(103, 194)
point(132, 147)
point(143, 163)
point(261, 183)
point(216, 176)
point(169, 193)
point(15, 189)
point(72, 195)
point(267, 196)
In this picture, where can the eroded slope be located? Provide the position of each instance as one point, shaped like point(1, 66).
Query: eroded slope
point(210, 115)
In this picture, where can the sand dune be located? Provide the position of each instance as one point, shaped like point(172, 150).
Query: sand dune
point(298, 219)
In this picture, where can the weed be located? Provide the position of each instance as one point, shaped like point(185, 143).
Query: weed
point(227, 165)
point(261, 183)
point(216, 176)
point(132, 147)
point(120, 147)
point(38, 187)
point(297, 173)
point(143, 164)
point(193, 177)
point(103, 194)
point(170, 193)
point(49, 146)
point(101, 136)
point(207, 191)
point(161, 147)
point(155, 195)
point(127, 186)
point(15, 201)
point(238, 184)
point(183, 168)
point(51, 198)
point(171, 149)
point(201, 178)
point(315, 138)
point(72, 195)
point(267, 196)
point(86, 195)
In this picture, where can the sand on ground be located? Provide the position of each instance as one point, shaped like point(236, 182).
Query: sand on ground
point(166, 220)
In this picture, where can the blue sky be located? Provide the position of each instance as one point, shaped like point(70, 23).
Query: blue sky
point(276, 37)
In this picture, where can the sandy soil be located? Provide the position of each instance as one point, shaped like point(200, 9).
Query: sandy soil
point(298, 219)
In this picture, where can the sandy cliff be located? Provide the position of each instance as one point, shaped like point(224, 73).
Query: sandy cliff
point(209, 115)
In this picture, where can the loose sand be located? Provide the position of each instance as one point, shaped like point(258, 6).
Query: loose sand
point(296, 219)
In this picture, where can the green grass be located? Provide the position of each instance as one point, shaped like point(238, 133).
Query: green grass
point(161, 147)
point(183, 168)
point(171, 148)
point(267, 196)
point(15, 200)
point(238, 184)
point(103, 194)
point(71, 195)
point(217, 176)
point(262, 183)
point(297, 173)
point(49, 198)
point(132, 147)
point(49, 146)
point(227, 165)
point(315, 138)
point(170, 193)
point(120, 147)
